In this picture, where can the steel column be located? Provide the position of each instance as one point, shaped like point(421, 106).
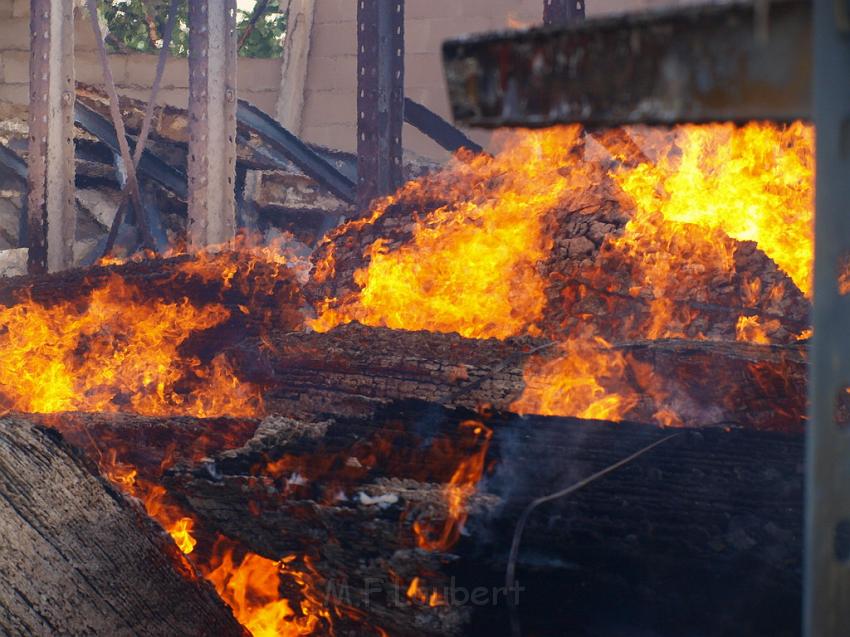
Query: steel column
point(562, 11)
point(380, 97)
point(51, 222)
point(827, 611)
point(212, 122)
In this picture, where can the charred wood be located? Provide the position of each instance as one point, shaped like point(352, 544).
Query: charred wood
point(714, 514)
point(76, 553)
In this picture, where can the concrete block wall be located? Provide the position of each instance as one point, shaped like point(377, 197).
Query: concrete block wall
point(331, 87)
point(330, 94)
point(258, 80)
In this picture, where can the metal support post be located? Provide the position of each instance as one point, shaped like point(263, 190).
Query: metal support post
point(562, 11)
point(827, 586)
point(212, 122)
point(380, 97)
point(51, 222)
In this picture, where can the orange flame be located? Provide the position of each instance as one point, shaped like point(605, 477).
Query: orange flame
point(115, 351)
point(471, 264)
point(581, 382)
point(459, 489)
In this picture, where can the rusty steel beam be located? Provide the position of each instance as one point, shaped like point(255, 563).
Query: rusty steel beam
point(51, 216)
point(429, 123)
point(733, 62)
point(380, 97)
point(559, 12)
point(827, 576)
point(212, 122)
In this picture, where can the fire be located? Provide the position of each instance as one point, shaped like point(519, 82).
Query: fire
point(750, 183)
point(416, 593)
point(471, 265)
point(154, 499)
point(115, 350)
point(250, 586)
point(459, 489)
point(583, 382)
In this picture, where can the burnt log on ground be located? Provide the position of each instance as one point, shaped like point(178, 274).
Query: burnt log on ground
point(709, 520)
point(236, 280)
point(353, 369)
point(77, 558)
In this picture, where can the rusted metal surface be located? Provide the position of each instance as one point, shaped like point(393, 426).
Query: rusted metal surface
point(287, 146)
point(212, 122)
point(51, 221)
point(118, 122)
point(380, 97)
point(716, 62)
point(139, 150)
point(429, 123)
point(827, 580)
point(562, 11)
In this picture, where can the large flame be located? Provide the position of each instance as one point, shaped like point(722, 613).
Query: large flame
point(752, 183)
point(115, 350)
point(471, 266)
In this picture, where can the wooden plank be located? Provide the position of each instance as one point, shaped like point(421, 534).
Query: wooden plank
point(77, 558)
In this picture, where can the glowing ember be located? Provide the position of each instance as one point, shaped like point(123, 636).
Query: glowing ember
point(115, 350)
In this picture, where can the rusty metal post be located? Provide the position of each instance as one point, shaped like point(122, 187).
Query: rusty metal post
point(562, 11)
point(380, 97)
point(212, 122)
point(827, 570)
point(51, 222)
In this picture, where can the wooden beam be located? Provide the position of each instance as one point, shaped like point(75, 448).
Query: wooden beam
point(294, 63)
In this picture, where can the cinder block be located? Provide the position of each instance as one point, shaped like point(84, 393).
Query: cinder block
point(20, 8)
point(88, 69)
point(84, 39)
point(332, 39)
point(141, 71)
point(423, 69)
point(342, 137)
point(256, 74)
point(266, 100)
point(15, 34)
point(330, 107)
point(329, 11)
point(16, 67)
point(14, 93)
point(340, 72)
point(419, 9)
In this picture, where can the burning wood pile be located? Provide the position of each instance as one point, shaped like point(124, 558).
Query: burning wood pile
point(344, 455)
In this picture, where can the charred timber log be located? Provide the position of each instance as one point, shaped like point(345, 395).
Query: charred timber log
point(352, 369)
point(77, 558)
point(714, 514)
point(236, 280)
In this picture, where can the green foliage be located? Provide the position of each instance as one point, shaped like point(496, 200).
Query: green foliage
point(138, 25)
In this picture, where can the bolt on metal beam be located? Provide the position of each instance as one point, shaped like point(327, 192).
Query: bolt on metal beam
point(52, 218)
point(827, 570)
point(212, 122)
point(562, 11)
point(380, 97)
